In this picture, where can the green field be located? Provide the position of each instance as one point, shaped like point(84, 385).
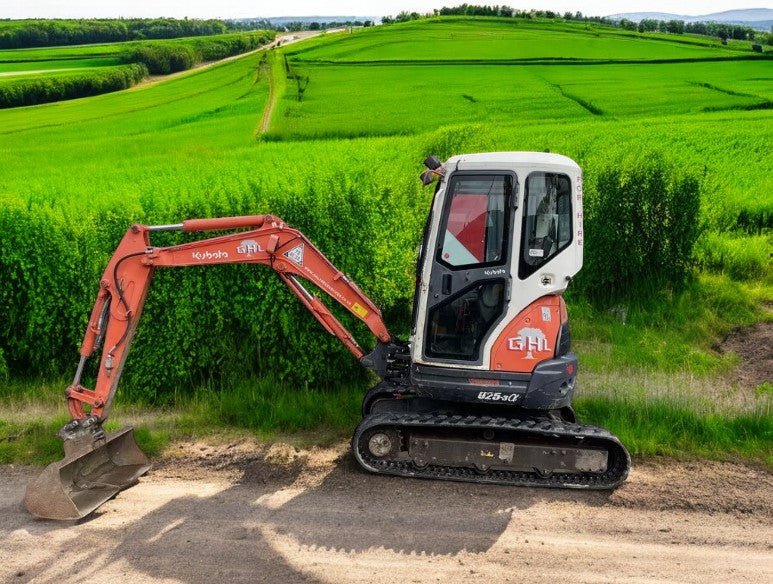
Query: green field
point(57, 62)
point(495, 39)
point(508, 71)
point(341, 164)
point(157, 110)
point(33, 68)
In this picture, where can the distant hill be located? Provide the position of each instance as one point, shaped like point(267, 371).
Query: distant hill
point(758, 18)
point(284, 20)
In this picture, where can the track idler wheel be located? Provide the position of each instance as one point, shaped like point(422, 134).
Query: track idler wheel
point(383, 443)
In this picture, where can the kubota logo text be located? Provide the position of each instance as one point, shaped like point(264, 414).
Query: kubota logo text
point(209, 255)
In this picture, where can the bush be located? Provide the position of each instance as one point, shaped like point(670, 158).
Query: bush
point(3, 366)
point(162, 59)
point(641, 222)
point(38, 90)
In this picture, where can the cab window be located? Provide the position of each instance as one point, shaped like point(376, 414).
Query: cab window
point(475, 227)
point(547, 220)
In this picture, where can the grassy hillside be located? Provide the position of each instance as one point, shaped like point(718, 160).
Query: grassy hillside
point(451, 38)
point(74, 175)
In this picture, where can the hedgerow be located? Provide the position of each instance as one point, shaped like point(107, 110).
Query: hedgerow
point(741, 257)
point(219, 324)
point(641, 220)
point(213, 324)
point(36, 90)
point(162, 59)
point(166, 57)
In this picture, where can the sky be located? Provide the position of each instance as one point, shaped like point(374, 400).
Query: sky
point(260, 8)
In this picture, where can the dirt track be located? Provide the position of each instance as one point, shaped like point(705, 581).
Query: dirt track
point(242, 514)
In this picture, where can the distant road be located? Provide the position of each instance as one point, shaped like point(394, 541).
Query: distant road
point(284, 39)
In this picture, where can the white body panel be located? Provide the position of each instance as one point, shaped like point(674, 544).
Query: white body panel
point(551, 278)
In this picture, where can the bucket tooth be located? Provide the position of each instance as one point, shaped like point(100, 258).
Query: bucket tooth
point(87, 476)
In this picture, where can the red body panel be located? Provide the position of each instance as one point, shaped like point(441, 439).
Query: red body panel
point(530, 337)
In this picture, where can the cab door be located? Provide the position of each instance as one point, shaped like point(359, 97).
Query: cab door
point(469, 280)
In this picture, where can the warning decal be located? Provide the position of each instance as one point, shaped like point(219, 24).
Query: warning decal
point(359, 310)
point(295, 254)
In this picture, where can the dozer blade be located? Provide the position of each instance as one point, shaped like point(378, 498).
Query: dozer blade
point(87, 476)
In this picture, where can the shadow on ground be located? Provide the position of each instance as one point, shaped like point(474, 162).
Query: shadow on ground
point(260, 527)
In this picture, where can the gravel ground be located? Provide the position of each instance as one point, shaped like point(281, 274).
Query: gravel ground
point(246, 512)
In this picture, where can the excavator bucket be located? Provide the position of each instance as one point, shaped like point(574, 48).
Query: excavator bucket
point(87, 476)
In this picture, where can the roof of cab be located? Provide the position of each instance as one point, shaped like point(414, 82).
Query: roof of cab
point(508, 160)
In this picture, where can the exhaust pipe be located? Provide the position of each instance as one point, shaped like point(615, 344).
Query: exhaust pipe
point(94, 469)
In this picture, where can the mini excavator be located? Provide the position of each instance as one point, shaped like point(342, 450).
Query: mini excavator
point(480, 392)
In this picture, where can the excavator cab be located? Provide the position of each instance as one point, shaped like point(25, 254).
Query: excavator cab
point(504, 239)
point(480, 392)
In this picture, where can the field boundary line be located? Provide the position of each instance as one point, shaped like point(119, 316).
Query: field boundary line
point(536, 61)
point(268, 110)
point(273, 90)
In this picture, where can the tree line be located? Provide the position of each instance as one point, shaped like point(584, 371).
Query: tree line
point(473, 10)
point(19, 34)
point(294, 25)
point(715, 29)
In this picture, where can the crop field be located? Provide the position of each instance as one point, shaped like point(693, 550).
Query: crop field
point(60, 53)
point(500, 94)
point(504, 72)
point(214, 93)
point(57, 61)
point(340, 160)
point(27, 68)
point(451, 39)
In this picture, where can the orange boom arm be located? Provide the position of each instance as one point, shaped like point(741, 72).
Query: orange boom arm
point(266, 240)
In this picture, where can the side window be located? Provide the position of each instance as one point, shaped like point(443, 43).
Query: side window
point(547, 220)
point(476, 225)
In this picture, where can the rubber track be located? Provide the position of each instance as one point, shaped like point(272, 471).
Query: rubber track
point(616, 473)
